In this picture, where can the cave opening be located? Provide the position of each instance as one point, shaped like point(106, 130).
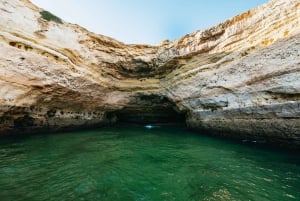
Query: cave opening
point(148, 109)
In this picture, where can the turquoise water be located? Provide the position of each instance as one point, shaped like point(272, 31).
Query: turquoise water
point(143, 164)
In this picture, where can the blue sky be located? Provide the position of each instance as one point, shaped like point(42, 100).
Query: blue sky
point(146, 21)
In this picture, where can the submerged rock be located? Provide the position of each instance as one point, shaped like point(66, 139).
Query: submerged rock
point(240, 78)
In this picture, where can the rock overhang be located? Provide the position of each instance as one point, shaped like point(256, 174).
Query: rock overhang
point(241, 76)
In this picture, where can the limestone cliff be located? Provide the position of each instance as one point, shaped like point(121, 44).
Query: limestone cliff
point(240, 78)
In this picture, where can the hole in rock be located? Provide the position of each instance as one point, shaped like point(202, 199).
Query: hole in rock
point(148, 109)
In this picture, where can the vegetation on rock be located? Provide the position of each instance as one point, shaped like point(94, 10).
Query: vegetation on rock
point(50, 17)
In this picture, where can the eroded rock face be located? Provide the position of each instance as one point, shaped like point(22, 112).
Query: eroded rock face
point(240, 78)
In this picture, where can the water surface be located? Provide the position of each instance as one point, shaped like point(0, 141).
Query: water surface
point(143, 164)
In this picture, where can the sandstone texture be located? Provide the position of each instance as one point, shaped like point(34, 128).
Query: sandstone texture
point(239, 79)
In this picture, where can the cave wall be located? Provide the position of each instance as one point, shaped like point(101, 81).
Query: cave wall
point(239, 78)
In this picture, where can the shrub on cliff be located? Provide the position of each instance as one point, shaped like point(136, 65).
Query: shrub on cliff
point(50, 17)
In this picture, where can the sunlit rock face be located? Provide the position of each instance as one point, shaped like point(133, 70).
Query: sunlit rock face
point(240, 78)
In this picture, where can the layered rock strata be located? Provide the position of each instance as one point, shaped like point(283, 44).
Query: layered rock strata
point(240, 78)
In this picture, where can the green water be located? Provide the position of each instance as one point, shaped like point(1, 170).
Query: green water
point(143, 164)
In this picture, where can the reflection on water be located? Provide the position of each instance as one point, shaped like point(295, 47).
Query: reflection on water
point(143, 164)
